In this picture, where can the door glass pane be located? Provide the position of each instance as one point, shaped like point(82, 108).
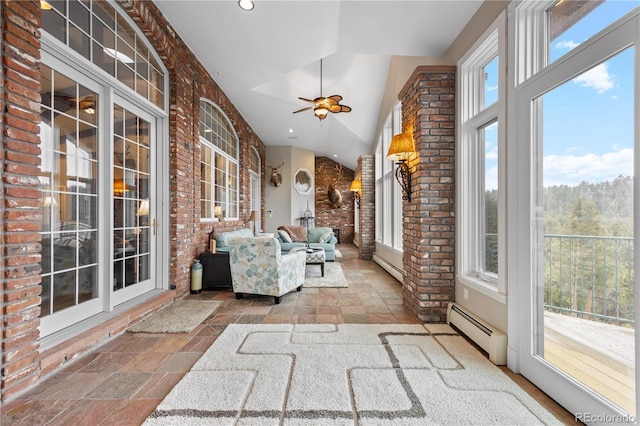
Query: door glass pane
point(586, 275)
point(69, 192)
point(131, 199)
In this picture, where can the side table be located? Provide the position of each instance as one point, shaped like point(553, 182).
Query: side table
point(216, 272)
point(316, 256)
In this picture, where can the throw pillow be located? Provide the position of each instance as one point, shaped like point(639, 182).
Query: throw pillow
point(285, 236)
point(264, 234)
point(324, 238)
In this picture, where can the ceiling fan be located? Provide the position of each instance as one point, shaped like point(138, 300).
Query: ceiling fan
point(323, 106)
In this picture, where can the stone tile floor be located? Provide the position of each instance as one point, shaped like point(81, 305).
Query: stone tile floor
point(121, 382)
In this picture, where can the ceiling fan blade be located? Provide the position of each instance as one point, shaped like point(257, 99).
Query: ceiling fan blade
point(334, 98)
point(335, 108)
point(308, 100)
point(303, 109)
point(344, 108)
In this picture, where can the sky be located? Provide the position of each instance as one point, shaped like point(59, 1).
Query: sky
point(587, 121)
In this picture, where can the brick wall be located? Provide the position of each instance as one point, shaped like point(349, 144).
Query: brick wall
point(189, 82)
point(367, 215)
point(428, 113)
point(20, 238)
point(341, 218)
point(21, 216)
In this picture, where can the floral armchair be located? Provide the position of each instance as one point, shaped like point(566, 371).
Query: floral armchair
point(259, 267)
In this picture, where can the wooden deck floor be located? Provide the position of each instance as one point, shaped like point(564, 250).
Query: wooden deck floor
point(611, 375)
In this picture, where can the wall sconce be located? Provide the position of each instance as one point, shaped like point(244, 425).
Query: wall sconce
point(401, 147)
point(217, 212)
point(356, 188)
point(253, 217)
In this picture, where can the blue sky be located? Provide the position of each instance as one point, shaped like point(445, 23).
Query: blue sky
point(587, 121)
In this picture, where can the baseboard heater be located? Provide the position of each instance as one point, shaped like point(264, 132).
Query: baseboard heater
point(484, 335)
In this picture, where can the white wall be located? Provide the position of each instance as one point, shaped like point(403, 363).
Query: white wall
point(283, 204)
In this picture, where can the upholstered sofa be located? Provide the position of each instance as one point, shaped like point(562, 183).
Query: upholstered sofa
point(222, 238)
point(259, 267)
point(316, 237)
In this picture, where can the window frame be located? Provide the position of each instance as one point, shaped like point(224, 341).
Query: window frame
point(231, 203)
point(473, 118)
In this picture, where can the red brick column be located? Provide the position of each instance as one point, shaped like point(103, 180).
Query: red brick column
point(367, 230)
point(21, 217)
point(428, 113)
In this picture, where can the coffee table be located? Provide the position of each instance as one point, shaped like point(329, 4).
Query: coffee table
point(316, 256)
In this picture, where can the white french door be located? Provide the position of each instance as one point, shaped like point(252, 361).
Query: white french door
point(575, 225)
point(134, 218)
point(98, 186)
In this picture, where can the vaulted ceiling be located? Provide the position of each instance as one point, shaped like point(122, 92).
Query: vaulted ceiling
point(266, 58)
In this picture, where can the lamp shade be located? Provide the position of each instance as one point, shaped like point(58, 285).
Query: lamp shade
point(120, 187)
point(401, 146)
point(49, 201)
point(356, 186)
point(217, 211)
point(253, 216)
point(144, 208)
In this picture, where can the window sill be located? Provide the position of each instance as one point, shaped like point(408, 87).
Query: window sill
point(483, 288)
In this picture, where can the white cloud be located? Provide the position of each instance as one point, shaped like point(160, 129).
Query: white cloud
point(491, 178)
point(566, 44)
point(597, 78)
point(571, 169)
point(490, 152)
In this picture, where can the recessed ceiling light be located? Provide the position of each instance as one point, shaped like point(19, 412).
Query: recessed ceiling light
point(290, 130)
point(246, 4)
point(335, 155)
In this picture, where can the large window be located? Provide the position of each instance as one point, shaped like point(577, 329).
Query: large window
point(96, 31)
point(255, 166)
point(480, 147)
point(573, 202)
point(388, 191)
point(218, 165)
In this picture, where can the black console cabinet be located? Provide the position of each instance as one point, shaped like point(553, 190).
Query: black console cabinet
point(216, 272)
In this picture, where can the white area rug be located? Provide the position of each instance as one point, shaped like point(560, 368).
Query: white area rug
point(333, 276)
point(347, 374)
point(338, 256)
point(181, 316)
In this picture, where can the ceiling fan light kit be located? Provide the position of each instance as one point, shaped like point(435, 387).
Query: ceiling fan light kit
point(320, 112)
point(323, 106)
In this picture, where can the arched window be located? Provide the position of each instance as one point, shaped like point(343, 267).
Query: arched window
point(218, 165)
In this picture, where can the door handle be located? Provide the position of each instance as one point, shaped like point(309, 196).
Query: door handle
point(154, 224)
